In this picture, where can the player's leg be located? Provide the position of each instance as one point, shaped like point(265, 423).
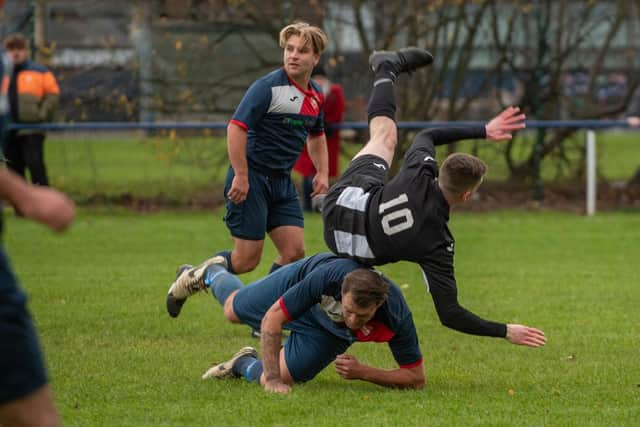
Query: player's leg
point(289, 242)
point(36, 409)
point(189, 281)
point(382, 105)
point(308, 351)
point(246, 254)
point(25, 398)
point(302, 358)
point(285, 222)
point(13, 153)
point(247, 222)
point(33, 146)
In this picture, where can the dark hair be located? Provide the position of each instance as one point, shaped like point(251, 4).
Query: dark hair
point(16, 41)
point(461, 172)
point(367, 287)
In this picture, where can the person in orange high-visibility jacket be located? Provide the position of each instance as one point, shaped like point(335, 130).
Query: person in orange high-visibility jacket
point(33, 98)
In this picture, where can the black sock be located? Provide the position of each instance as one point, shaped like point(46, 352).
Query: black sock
point(274, 267)
point(385, 72)
point(227, 256)
point(383, 99)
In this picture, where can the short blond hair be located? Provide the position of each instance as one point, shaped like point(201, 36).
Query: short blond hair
point(461, 172)
point(310, 34)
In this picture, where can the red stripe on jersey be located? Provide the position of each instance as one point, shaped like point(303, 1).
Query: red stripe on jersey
point(317, 133)
point(374, 331)
point(310, 106)
point(412, 365)
point(239, 124)
point(284, 309)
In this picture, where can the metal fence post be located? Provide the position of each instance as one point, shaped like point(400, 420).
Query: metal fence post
point(591, 172)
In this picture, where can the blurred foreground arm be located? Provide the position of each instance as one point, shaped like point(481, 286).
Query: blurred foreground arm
point(41, 204)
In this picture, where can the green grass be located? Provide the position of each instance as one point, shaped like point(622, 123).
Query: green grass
point(617, 155)
point(117, 359)
point(171, 168)
point(177, 168)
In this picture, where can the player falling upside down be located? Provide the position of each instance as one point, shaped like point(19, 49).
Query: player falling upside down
point(406, 218)
point(327, 302)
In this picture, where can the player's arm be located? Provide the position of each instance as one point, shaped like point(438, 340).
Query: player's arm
point(349, 368)
point(442, 287)
point(271, 340)
point(499, 128)
point(317, 147)
point(237, 149)
point(42, 204)
point(297, 300)
point(249, 113)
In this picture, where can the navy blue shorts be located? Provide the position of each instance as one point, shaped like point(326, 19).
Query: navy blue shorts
point(22, 369)
point(272, 202)
point(310, 348)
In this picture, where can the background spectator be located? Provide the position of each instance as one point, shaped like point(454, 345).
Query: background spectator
point(333, 115)
point(33, 98)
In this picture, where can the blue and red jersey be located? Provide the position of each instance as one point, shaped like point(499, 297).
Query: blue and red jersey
point(278, 115)
point(312, 289)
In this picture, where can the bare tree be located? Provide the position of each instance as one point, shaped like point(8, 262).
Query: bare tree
point(550, 44)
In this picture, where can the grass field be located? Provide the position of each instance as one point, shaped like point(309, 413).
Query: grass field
point(175, 168)
point(117, 359)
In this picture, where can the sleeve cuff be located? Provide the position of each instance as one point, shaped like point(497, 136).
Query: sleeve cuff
point(412, 365)
point(284, 309)
point(240, 124)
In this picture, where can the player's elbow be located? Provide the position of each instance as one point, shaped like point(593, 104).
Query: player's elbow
point(418, 383)
point(448, 321)
point(417, 379)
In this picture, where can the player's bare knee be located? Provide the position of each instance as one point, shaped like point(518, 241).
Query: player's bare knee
point(245, 264)
point(229, 312)
point(292, 255)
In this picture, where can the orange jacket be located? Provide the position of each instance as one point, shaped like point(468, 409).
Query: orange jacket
point(37, 92)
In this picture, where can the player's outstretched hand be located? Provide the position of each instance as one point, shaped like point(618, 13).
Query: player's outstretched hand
point(501, 126)
point(524, 335)
point(276, 386)
point(348, 367)
point(633, 121)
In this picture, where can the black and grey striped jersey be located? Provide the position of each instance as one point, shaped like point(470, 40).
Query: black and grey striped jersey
point(407, 220)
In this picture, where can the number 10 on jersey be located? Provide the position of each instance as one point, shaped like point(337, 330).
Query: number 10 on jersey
point(401, 217)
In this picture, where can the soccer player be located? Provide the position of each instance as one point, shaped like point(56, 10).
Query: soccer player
point(333, 111)
point(25, 397)
point(267, 132)
point(407, 217)
point(327, 303)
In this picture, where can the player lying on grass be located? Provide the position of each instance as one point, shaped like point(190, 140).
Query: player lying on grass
point(406, 219)
point(327, 303)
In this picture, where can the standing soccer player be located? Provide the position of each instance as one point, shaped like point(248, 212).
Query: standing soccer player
point(278, 114)
point(406, 219)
